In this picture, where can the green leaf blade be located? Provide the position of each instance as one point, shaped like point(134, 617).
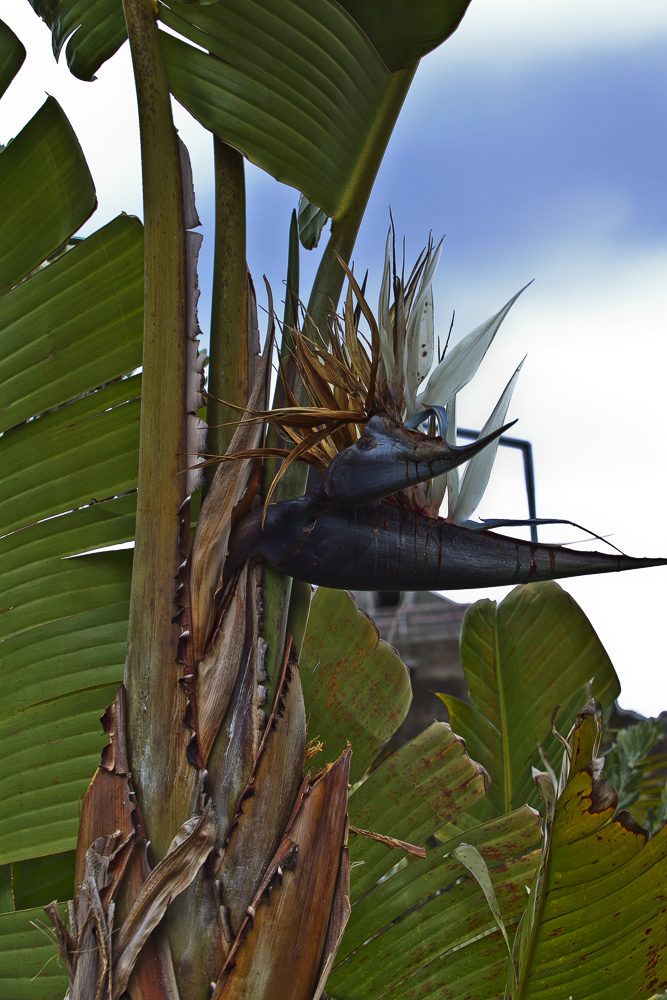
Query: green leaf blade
point(74, 325)
point(355, 686)
point(296, 89)
point(30, 968)
point(12, 55)
point(427, 783)
point(46, 189)
point(521, 661)
point(97, 30)
point(403, 32)
point(427, 931)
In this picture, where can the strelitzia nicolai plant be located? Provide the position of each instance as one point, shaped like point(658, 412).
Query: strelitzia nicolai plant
point(243, 846)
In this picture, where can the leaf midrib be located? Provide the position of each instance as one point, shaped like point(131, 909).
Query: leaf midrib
point(502, 715)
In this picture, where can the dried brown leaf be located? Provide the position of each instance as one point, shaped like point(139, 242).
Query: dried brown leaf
point(268, 799)
point(281, 956)
point(187, 853)
point(340, 914)
point(399, 845)
point(219, 669)
point(209, 548)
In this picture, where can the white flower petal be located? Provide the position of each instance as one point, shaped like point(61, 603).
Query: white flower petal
point(478, 472)
point(461, 363)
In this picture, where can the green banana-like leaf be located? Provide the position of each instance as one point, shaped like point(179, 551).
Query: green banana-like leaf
point(59, 669)
point(75, 325)
point(598, 924)
point(405, 30)
point(522, 659)
point(46, 189)
point(12, 54)
point(354, 685)
point(311, 222)
point(427, 783)
point(427, 930)
point(30, 968)
point(95, 28)
point(296, 87)
point(38, 881)
point(70, 335)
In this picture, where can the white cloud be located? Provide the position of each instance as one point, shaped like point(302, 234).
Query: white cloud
point(516, 32)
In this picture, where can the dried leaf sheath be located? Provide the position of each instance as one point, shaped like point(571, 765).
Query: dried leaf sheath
point(265, 805)
point(384, 546)
point(282, 952)
point(225, 492)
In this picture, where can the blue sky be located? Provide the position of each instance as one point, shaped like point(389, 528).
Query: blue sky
point(534, 140)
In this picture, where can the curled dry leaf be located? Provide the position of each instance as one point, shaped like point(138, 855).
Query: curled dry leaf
point(229, 484)
point(282, 954)
point(217, 672)
point(86, 946)
point(266, 803)
point(187, 853)
point(340, 914)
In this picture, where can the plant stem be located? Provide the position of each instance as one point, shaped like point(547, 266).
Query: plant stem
point(345, 225)
point(157, 739)
point(228, 370)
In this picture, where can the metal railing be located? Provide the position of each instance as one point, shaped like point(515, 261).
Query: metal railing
point(526, 449)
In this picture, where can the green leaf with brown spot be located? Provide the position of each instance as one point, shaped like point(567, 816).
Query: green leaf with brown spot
point(600, 919)
point(427, 783)
point(355, 685)
point(426, 931)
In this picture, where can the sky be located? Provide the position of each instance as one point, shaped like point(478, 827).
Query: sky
point(533, 140)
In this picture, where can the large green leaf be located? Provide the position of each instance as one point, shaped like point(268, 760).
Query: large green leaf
point(427, 783)
point(97, 30)
point(75, 325)
point(30, 968)
point(50, 735)
point(70, 334)
point(523, 659)
point(405, 30)
point(46, 192)
point(86, 450)
point(600, 927)
point(296, 86)
point(427, 931)
point(355, 686)
point(12, 54)
point(38, 881)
